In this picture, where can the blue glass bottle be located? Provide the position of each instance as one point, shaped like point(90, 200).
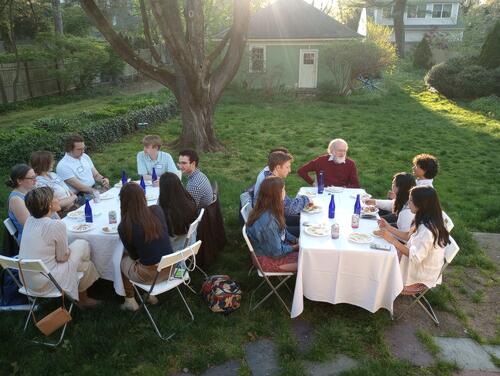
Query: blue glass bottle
point(331, 208)
point(357, 205)
point(124, 178)
point(321, 184)
point(142, 184)
point(154, 177)
point(88, 212)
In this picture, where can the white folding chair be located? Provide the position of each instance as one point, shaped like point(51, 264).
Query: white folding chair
point(448, 223)
point(157, 288)
point(9, 225)
point(245, 211)
point(190, 237)
point(37, 266)
point(450, 251)
point(283, 277)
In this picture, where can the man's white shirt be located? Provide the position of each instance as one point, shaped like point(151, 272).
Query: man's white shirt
point(80, 168)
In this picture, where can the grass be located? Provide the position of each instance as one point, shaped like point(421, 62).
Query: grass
point(384, 131)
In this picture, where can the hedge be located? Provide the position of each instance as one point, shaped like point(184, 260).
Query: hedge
point(50, 133)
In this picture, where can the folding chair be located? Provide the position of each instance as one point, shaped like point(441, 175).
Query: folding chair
point(190, 236)
point(157, 288)
point(283, 277)
point(448, 223)
point(37, 266)
point(245, 213)
point(9, 225)
point(450, 252)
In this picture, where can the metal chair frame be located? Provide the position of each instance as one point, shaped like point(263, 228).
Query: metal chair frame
point(193, 227)
point(155, 288)
point(450, 252)
point(283, 277)
point(37, 266)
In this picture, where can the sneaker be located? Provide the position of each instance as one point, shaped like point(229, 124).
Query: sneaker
point(152, 300)
point(130, 304)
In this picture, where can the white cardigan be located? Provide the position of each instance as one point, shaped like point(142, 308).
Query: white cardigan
point(405, 216)
point(425, 260)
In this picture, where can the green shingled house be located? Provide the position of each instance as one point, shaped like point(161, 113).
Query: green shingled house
point(284, 46)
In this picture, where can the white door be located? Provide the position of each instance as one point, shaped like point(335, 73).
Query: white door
point(308, 68)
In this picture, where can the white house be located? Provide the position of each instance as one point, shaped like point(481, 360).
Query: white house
point(425, 17)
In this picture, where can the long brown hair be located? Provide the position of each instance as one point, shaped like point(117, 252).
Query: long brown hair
point(404, 182)
point(429, 213)
point(270, 198)
point(135, 210)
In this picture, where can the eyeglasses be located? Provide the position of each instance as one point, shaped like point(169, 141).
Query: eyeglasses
point(30, 178)
point(183, 163)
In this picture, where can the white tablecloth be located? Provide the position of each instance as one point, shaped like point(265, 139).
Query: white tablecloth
point(106, 249)
point(340, 271)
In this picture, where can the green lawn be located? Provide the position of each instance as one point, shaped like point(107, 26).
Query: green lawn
point(384, 131)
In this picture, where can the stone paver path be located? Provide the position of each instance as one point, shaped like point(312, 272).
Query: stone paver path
point(229, 368)
point(466, 353)
point(340, 364)
point(405, 345)
point(262, 357)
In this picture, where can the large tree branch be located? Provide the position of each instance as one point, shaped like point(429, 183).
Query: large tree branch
point(216, 52)
point(227, 69)
point(195, 25)
point(147, 33)
point(159, 74)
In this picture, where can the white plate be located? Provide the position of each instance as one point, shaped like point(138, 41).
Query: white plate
point(317, 230)
point(81, 227)
point(361, 238)
point(147, 183)
point(377, 236)
point(119, 184)
point(110, 229)
point(363, 211)
point(310, 193)
point(362, 196)
point(334, 189)
point(150, 197)
point(317, 209)
point(107, 195)
point(77, 214)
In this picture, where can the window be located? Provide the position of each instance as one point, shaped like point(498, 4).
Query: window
point(257, 60)
point(416, 11)
point(441, 10)
point(308, 58)
point(387, 12)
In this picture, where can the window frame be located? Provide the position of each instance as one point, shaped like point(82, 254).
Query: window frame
point(441, 11)
point(250, 60)
point(418, 8)
point(384, 11)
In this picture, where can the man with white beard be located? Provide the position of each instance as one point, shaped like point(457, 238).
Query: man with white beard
point(338, 170)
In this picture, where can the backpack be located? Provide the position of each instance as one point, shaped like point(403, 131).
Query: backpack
point(221, 293)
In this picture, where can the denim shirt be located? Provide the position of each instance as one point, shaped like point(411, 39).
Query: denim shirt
point(267, 239)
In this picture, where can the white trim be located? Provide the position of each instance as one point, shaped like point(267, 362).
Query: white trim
point(250, 47)
point(299, 41)
point(301, 57)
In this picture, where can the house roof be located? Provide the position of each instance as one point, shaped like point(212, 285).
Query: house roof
point(295, 19)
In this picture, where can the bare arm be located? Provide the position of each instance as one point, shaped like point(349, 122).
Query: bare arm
point(403, 235)
point(68, 201)
point(78, 185)
point(99, 178)
point(18, 208)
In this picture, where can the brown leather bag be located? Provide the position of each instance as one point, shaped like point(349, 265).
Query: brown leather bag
point(55, 319)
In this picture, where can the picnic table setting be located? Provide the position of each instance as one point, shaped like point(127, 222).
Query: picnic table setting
point(341, 260)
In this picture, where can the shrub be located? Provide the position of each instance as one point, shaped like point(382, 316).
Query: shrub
point(489, 106)
point(422, 56)
point(49, 133)
point(462, 78)
point(490, 52)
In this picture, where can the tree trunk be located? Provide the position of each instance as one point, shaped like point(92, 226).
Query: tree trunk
point(58, 23)
point(28, 79)
point(3, 93)
point(399, 26)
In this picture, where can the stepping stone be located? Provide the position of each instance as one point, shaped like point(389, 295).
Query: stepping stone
point(493, 350)
point(304, 333)
point(334, 367)
point(262, 357)
point(466, 353)
point(405, 345)
point(476, 373)
point(229, 368)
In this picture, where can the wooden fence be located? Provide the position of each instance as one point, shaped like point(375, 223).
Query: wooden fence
point(36, 80)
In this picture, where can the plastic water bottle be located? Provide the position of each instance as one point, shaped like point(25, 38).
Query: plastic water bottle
point(124, 178)
point(331, 208)
point(88, 212)
point(321, 184)
point(142, 184)
point(154, 177)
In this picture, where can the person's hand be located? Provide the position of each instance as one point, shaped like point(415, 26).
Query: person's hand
point(382, 223)
point(105, 183)
point(387, 235)
point(295, 247)
point(391, 195)
point(156, 183)
point(369, 201)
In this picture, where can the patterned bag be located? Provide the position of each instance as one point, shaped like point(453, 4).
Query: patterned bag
point(221, 293)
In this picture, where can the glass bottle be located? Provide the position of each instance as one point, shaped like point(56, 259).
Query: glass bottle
point(88, 212)
point(331, 208)
point(321, 184)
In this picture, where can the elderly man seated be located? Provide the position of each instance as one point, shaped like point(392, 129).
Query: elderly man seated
point(338, 170)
